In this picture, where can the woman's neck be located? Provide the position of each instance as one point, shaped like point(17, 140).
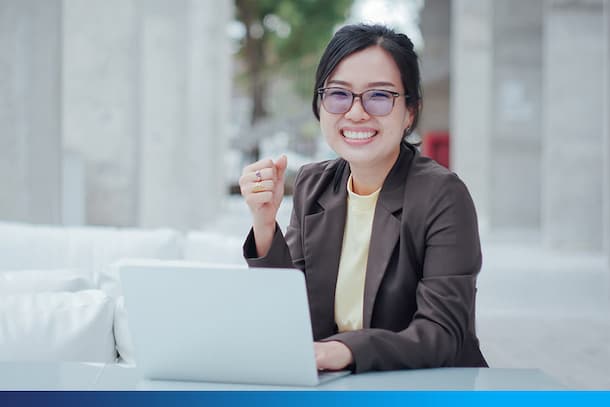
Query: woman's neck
point(367, 179)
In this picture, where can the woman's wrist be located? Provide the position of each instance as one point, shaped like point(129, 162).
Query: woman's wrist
point(264, 228)
point(263, 237)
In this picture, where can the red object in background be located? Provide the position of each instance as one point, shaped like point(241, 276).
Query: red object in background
point(436, 146)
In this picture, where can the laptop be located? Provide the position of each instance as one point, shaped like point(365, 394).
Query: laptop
point(226, 324)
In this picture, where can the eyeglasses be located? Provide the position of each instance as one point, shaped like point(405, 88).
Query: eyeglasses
point(375, 102)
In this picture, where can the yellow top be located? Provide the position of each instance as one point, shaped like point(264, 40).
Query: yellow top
point(349, 292)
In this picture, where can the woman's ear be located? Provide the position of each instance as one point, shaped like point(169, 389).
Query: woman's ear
point(407, 121)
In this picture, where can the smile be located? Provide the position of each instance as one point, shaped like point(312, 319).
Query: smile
point(358, 135)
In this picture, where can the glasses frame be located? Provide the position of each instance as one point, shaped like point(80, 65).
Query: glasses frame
point(394, 95)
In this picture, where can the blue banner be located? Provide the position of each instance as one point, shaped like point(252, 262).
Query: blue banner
point(304, 398)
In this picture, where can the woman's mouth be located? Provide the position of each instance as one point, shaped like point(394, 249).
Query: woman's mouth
point(358, 135)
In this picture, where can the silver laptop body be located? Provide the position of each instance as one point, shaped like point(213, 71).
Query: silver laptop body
point(229, 324)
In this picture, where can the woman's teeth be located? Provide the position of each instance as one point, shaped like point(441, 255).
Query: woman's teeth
point(359, 135)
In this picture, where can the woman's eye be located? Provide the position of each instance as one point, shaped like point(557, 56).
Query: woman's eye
point(379, 95)
point(338, 94)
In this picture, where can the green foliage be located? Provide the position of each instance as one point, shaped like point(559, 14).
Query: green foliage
point(311, 24)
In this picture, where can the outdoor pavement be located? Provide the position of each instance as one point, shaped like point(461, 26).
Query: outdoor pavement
point(545, 309)
point(536, 308)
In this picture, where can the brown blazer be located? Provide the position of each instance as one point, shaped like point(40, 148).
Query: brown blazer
point(424, 257)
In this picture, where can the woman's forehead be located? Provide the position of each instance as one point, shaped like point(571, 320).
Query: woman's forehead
point(371, 66)
point(375, 84)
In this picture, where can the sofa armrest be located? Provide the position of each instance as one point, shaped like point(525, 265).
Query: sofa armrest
point(57, 326)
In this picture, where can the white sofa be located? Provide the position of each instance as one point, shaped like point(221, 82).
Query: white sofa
point(60, 297)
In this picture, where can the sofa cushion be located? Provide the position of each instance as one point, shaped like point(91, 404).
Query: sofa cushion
point(36, 281)
point(122, 336)
point(88, 249)
point(57, 326)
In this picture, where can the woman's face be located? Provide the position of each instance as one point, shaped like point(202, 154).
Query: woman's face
point(361, 138)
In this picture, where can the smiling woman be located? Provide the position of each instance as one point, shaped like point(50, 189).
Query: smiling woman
point(387, 239)
point(367, 133)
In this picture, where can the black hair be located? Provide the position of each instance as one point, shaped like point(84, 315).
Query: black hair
point(353, 38)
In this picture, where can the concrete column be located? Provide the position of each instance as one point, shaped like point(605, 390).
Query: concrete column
point(516, 115)
point(30, 105)
point(208, 112)
point(471, 98)
point(607, 132)
point(100, 71)
point(184, 93)
point(73, 190)
point(146, 90)
point(573, 124)
point(435, 23)
point(162, 175)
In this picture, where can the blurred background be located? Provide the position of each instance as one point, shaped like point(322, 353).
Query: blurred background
point(142, 113)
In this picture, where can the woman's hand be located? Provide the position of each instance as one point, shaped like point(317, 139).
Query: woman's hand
point(262, 186)
point(332, 355)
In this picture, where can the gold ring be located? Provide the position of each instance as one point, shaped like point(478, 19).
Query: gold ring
point(258, 187)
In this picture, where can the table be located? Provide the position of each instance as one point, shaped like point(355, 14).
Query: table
point(93, 376)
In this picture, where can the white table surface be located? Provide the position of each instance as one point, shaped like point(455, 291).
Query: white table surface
point(89, 376)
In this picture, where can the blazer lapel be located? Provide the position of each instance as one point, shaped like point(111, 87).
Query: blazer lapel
point(324, 240)
point(386, 230)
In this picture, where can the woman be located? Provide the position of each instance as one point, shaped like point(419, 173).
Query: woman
point(386, 238)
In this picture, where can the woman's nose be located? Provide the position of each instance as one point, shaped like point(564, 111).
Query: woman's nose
point(357, 113)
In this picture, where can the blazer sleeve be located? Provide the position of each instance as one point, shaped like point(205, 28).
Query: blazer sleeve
point(445, 294)
point(285, 252)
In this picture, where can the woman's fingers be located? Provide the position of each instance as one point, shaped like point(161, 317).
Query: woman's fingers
point(257, 187)
point(280, 167)
point(260, 175)
point(259, 171)
point(259, 165)
point(262, 182)
point(259, 198)
point(332, 355)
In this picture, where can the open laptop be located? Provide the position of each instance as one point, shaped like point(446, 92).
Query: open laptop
point(228, 324)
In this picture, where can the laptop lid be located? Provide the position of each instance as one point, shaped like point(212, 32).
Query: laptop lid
point(219, 323)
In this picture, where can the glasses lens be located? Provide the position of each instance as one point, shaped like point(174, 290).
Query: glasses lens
point(378, 102)
point(336, 101)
